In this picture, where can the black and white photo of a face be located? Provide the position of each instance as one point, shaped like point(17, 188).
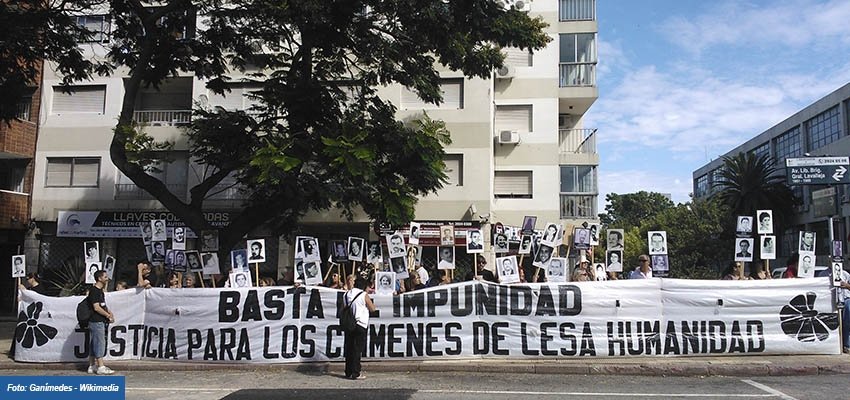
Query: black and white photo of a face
point(474, 242)
point(600, 274)
point(507, 269)
point(109, 266)
point(525, 245)
point(414, 233)
point(92, 251)
point(375, 253)
point(256, 251)
point(556, 268)
point(209, 240)
point(807, 241)
point(158, 233)
point(657, 242)
point(311, 270)
point(396, 245)
point(399, 265)
point(310, 250)
point(768, 247)
point(179, 235)
point(745, 224)
point(92, 268)
point(836, 273)
point(19, 266)
point(355, 248)
point(765, 221)
point(500, 244)
point(210, 263)
point(193, 261)
point(384, 283)
point(238, 259)
point(158, 251)
point(550, 234)
point(147, 232)
point(807, 266)
point(659, 263)
point(543, 256)
point(581, 238)
point(594, 234)
point(241, 280)
point(615, 239)
point(445, 257)
point(743, 249)
point(447, 235)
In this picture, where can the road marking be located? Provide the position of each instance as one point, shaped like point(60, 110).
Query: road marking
point(768, 389)
point(608, 394)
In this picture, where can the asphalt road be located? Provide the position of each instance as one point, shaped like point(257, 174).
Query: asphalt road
point(261, 385)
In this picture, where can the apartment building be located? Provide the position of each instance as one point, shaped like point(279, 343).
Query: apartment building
point(821, 129)
point(518, 148)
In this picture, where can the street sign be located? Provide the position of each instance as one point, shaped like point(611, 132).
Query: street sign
point(817, 170)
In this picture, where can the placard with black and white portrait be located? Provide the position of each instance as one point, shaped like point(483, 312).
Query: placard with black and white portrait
point(837, 267)
point(209, 240)
point(169, 258)
point(91, 268)
point(339, 251)
point(657, 242)
point(500, 243)
point(543, 256)
point(614, 260)
point(239, 279)
point(446, 257)
point(550, 234)
point(659, 263)
point(158, 232)
point(807, 241)
point(395, 245)
point(806, 265)
point(525, 245)
point(91, 251)
point(615, 239)
point(385, 283)
point(311, 273)
point(19, 266)
point(764, 221)
point(309, 250)
point(256, 250)
point(179, 261)
point(745, 225)
point(178, 238)
point(210, 266)
point(744, 249)
point(356, 246)
point(768, 247)
point(513, 234)
point(474, 241)
point(413, 234)
point(507, 269)
point(374, 253)
point(557, 270)
point(193, 261)
point(528, 223)
point(109, 266)
point(399, 266)
point(157, 251)
point(146, 231)
point(447, 235)
point(594, 234)
point(581, 238)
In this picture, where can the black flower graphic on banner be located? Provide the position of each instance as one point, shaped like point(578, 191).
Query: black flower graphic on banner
point(29, 331)
point(800, 319)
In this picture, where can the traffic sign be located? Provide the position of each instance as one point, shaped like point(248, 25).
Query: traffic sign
point(817, 170)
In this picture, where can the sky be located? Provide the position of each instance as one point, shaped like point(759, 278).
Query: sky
point(682, 82)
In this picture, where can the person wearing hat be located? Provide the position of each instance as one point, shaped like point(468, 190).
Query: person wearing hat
point(583, 272)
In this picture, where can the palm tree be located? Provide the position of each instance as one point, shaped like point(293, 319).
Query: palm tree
point(748, 183)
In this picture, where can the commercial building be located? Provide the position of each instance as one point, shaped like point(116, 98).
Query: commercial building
point(518, 148)
point(821, 129)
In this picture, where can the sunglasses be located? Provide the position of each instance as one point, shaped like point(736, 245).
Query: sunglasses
point(643, 259)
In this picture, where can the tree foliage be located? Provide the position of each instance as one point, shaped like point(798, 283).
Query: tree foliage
point(631, 209)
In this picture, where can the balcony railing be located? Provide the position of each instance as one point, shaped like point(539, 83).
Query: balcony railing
point(578, 206)
point(578, 74)
point(163, 117)
point(22, 110)
point(577, 141)
point(577, 10)
point(129, 191)
point(226, 192)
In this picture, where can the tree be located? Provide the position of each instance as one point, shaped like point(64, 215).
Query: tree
point(748, 183)
point(624, 210)
point(320, 137)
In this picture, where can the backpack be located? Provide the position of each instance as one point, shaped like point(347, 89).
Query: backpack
point(346, 318)
point(84, 313)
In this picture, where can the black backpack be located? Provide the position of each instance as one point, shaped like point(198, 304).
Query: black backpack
point(346, 318)
point(84, 313)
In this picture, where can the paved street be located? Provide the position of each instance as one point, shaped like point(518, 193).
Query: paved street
point(259, 384)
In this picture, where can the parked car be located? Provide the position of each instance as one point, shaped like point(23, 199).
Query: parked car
point(820, 270)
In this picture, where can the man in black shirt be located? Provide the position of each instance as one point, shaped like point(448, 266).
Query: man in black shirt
point(101, 317)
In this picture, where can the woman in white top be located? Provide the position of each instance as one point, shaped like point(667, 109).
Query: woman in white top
point(355, 341)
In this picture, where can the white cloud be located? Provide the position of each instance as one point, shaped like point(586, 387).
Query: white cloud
point(679, 186)
point(612, 57)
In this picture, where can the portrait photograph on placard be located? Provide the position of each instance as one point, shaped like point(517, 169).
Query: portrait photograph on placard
point(356, 246)
point(744, 249)
point(659, 263)
point(768, 247)
point(528, 223)
point(91, 250)
point(385, 283)
point(413, 234)
point(157, 251)
point(513, 234)
point(744, 225)
point(375, 253)
point(146, 231)
point(446, 257)
point(193, 261)
point(599, 272)
point(240, 279)
point(550, 234)
point(311, 273)
point(500, 243)
point(209, 240)
point(210, 266)
point(239, 259)
point(399, 266)
point(309, 250)
point(158, 233)
point(657, 242)
point(806, 265)
point(256, 250)
point(837, 248)
point(581, 238)
point(807, 241)
point(109, 266)
point(178, 238)
point(179, 261)
point(614, 260)
point(169, 258)
point(615, 239)
point(765, 222)
point(594, 234)
point(91, 268)
point(339, 251)
point(543, 256)
point(395, 245)
point(474, 241)
point(525, 245)
point(19, 266)
point(507, 269)
point(557, 270)
point(447, 235)
point(837, 267)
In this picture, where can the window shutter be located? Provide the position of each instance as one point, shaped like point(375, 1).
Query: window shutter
point(454, 169)
point(86, 171)
point(452, 90)
point(517, 57)
point(230, 101)
point(82, 99)
point(514, 118)
point(58, 172)
point(513, 183)
point(410, 100)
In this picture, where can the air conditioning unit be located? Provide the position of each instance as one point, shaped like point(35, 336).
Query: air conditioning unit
point(521, 5)
point(508, 137)
point(506, 72)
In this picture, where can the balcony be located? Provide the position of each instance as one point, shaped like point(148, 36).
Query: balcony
point(577, 74)
point(577, 141)
point(226, 192)
point(578, 206)
point(129, 191)
point(163, 117)
point(577, 10)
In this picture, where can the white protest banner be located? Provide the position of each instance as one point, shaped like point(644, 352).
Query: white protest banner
point(652, 317)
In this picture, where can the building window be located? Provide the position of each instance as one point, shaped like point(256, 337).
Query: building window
point(454, 169)
point(513, 184)
point(787, 145)
point(22, 111)
point(577, 59)
point(97, 27)
point(577, 10)
point(514, 118)
point(72, 171)
point(701, 186)
point(824, 128)
point(80, 99)
point(578, 206)
point(172, 169)
point(452, 90)
point(240, 97)
point(578, 191)
point(763, 150)
point(12, 172)
point(517, 57)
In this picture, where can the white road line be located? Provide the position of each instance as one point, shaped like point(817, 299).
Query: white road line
point(608, 394)
point(768, 389)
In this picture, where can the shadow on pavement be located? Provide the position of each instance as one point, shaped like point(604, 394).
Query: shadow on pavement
point(324, 394)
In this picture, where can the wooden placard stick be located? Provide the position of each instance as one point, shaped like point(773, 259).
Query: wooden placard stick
point(329, 271)
point(256, 274)
point(475, 262)
point(201, 278)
